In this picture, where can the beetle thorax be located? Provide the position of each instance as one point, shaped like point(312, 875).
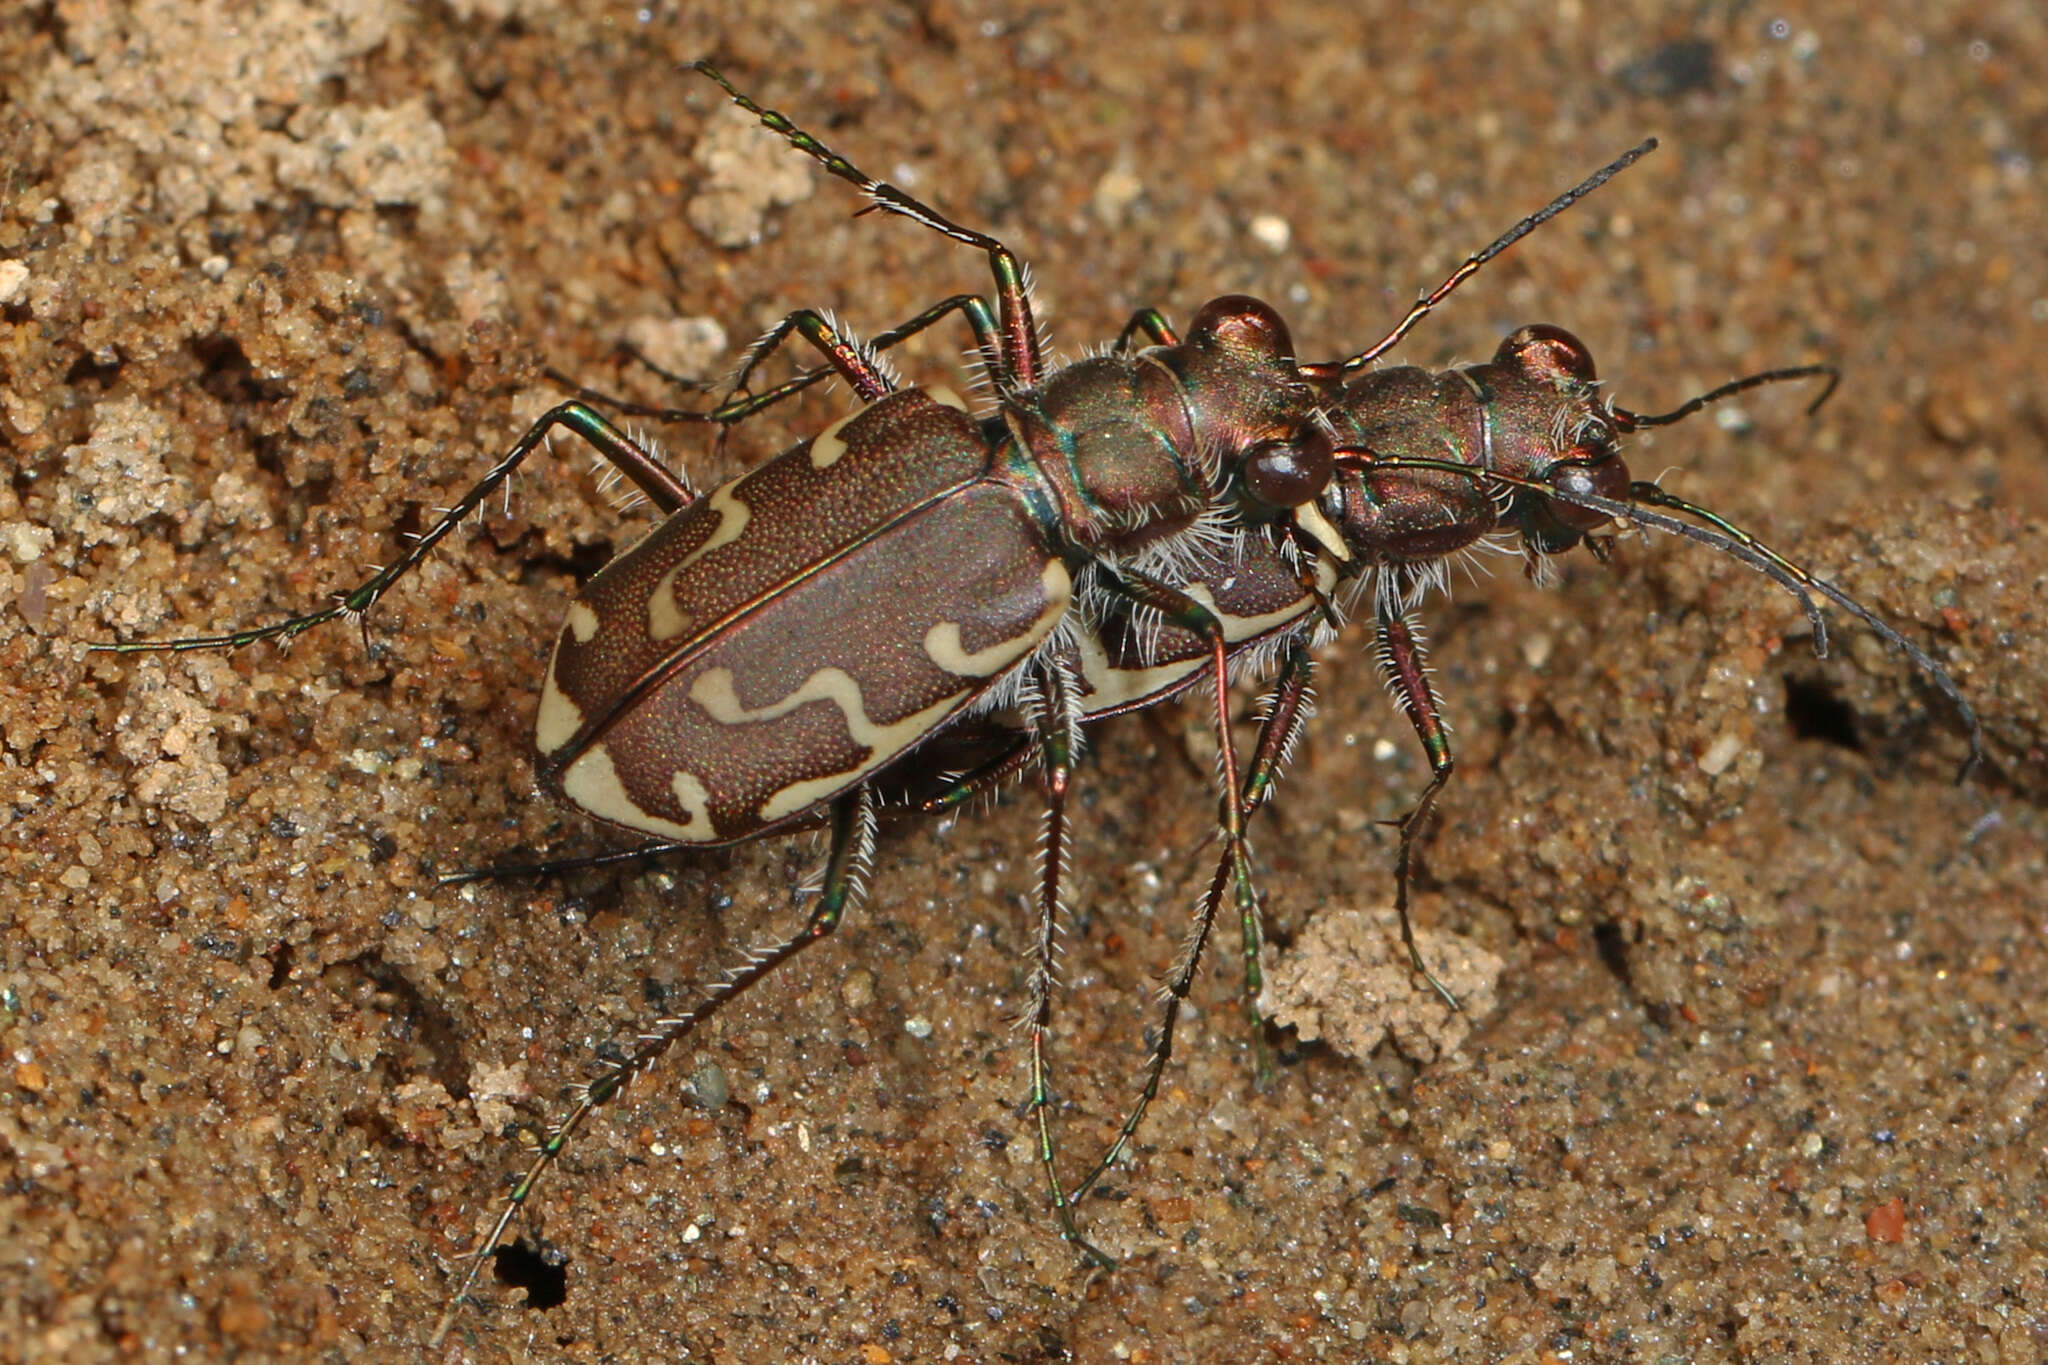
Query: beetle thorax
point(1110, 436)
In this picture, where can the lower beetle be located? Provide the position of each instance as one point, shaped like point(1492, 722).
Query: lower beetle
point(776, 642)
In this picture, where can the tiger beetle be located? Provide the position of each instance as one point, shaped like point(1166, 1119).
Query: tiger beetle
point(919, 602)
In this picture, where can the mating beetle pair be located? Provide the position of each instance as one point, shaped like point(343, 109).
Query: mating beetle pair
point(924, 599)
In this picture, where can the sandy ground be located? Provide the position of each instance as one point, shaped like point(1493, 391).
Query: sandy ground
point(1764, 1077)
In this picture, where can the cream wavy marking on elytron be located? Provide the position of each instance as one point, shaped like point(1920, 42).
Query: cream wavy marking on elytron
point(713, 690)
point(943, 646)
point(666, 618)
point(592, 783)
point(558, 719)
point(1113, 688)
point(828, 446)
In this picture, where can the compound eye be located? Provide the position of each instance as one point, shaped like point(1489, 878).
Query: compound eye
point(1595, 478)
point(1575, 479)
point(1289, 473)
point(1603, 476)
point(1548, 352)
point(1240, 322)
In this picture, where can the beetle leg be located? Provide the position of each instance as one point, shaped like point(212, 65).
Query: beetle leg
point(662, 487)
point(1179, 983)
point(970, 306)
point(1233, 866)
point(1153, 324)
point(555, 867)
point(853, 841)
point(739, 405)
point(1177, 608)
point(1400, 657)
point(849, 361)
point(845, 358)
point(1285, 712)
point(1055, 719)
point(1018, 330)
point(1286, 708)
point(962, 785)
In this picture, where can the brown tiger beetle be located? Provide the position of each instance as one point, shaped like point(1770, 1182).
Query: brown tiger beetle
point(917, 602)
